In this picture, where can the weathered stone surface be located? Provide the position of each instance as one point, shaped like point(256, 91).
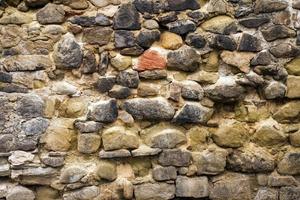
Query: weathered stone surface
point(153, 74)
point(291, 193)
point(63, 88)
point(276, 180)
point(104, 111)
point(250, 159)
point(193, 113)
point(151, 60)
point(284, 50)
point(293, 67)
point(123, 153)
point(164, 173)
point(107, 170)
point(204, 77)
point(295, 139)
point(225, 90)
point(145, 6)
point(30, 106)
point(182, 5)
point(128, 78)
point(249, 43)
point(88, 126)
point(121, 62)
point(159, 191)
point(241, 60)
point(192, 90)
point(175, 157)
point(26, 63)
point(119, 92)
point(89, 192)
point(277, 32)
point(97, 35)
point(267, 6)
point(89, 63)
point(289, 164)
point(288, 112)
point(118, 137)
point(20, 193)
point(88, 143)
point(210, 162)
point(67, 53)
point(104, 84)
point(20, 158)
point(293, 90)
point(225, 187)
point(274, 90)
point(147, 37)
point(266, 193)
point(51, 14)
point(72, 174)
point(53, 161)
point(144, 150)
point(195, 40)
point(170, 40)
point(217, 24)
point(254, 22)
point(185, 59)
point(224, 42)
point(127, 18)
point(181, 27)
point(16, 17)
point(262, 58)
point(234, 134)
point(196, 187)
point(124, 39)
point(36, 3)
point(152, 109)
point(269, 133)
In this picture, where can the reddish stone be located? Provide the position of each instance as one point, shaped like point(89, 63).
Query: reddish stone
point(151, 60)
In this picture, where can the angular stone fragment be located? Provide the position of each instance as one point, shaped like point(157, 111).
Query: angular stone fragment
point(85, 21)
point(147, 37)
point(249, 43)
point(274, 90)
point(89, 63)
point(88, 126)
point(104, 84)
point(290, 164)
point(175, 157)
point(204, 77)
point(223, 42)
point(250, 159)
point(193, 113)
point(266, 193)
point(185, 59)
point(164, 173)
point(146, 6)
point(175, 5)
point(254, 22)
point(72, 174)
point(276, 180)
point(26, 63)
point(67, 53)
point(196, 187)
point(20, 193)
point(144, 150)
point(225, 90)
point(51, 14)
point(119, 92)
point(127, 18)
point(118, 137)
point(88, 143)
point(97, 35)
point(7, 142)
point(191, 90)
point(293, 87)
point(170, 40)
point(217, 24)
point(289, 193)
point(124, 39)
point(153, 74)
point(195, 40)
point(89, 192)
point(63, 88)
point(122, 153)
point(292, 67)
point(181, 27)
point(268, 6)
point(225, 187)
point(30, 106)
point(288, 112)
point(262, 58)
point(277, 32)
point(150, 60)
point(104, 111)
point(284, 50)
point(159, 191)
point(210, 162)
point(233, 134)
point(107, 170)
point(53, 161)
point(121, 62)
point(129, 78)
point(18, 158)
point(152, 109)
point(241, 60)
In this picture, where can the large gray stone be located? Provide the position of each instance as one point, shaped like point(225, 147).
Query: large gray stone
point(127, 18)
point(164, 173)
point(51, 14)
point(20, 193)
point(104, 111)
point(152, 109)
point(196, 187)
point(84, 193)
point(175, 157)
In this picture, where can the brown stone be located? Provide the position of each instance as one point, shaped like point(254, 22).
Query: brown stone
point(170, 40)
point(151, 60)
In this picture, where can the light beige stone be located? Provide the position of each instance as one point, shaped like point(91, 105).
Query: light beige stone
point(171, 40)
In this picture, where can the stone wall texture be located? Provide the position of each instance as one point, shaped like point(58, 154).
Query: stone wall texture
point(149, 99)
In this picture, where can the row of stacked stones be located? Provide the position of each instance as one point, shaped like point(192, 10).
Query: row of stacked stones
point(149, 99)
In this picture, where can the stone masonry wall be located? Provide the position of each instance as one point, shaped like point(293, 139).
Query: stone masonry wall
point(149, 99)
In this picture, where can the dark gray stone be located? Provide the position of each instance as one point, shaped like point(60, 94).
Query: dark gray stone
point(124, 39)
point(249, 43)
point(176, 5)
point(7, 143)
point(168, 17)
point(192, 90)
point(193, 113)
point(195, 40)
point(102, 20)
point(175, 157)
point(88, 126)
point(104, 84)
point(104, 111)
point(254, 22)
point(153, 74)
point(152, 109)
point(274, 70)
point(128, 78)
point(36, 3)
point(148, 6)
point(268, 6)
point(12, 88)
point(132, 51)
point(30, 106)
point(185, 59)
point(284, 50)
point(127, 18)
point(85, 21)
point(89, 64)
point(164, 173)
point(119, 92)
point(289, 193)
point(5, 77)
point(262, 58)
point(277, 32)
point(36, 126)
point(223, 42)
point(146, 38)
point(51, 14)
point(181, 27)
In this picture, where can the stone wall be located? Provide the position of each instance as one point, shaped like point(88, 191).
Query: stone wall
point(149, 99)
